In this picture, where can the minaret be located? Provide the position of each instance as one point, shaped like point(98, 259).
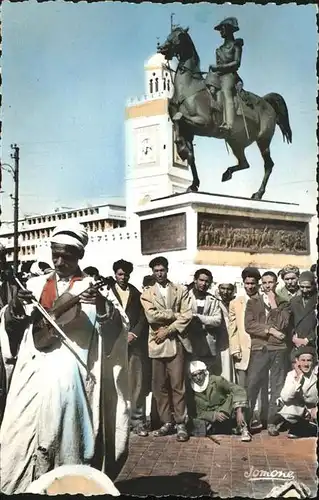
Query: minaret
point(153, 167)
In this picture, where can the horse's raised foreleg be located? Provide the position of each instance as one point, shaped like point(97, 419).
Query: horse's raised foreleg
point(242, 161)
point(268, 165)
point(180, 141)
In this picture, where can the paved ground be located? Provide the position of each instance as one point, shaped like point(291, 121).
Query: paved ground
point(162, 466)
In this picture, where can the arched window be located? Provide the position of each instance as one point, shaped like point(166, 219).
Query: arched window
point(156, 84)
point(168, 85)
point(151, 86)
point(164, 83)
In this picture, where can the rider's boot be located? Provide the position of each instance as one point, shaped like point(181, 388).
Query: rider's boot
point(227, 126)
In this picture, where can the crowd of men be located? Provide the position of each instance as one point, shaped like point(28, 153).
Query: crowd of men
point(212, 354)
point(209, 358)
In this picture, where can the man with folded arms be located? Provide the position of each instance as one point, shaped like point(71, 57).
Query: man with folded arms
point(168, 311)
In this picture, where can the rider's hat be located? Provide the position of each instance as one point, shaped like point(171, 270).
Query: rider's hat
point(229, 21)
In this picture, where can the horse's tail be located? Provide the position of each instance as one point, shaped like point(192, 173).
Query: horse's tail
point(282, 116)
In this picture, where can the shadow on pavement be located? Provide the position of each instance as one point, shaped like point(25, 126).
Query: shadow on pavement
point(185, 483)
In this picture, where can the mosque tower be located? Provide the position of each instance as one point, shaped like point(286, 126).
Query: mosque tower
point(153, 167)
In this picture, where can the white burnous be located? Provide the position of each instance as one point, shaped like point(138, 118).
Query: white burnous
point(53, 416)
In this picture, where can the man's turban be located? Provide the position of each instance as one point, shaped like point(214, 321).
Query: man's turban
point(196, 366)
point(70, 233)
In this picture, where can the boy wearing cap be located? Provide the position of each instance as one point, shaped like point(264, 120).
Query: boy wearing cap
point(217, 402)
point(168, 311)
point(289, 274)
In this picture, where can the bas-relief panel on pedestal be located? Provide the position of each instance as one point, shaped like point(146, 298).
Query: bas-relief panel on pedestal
point(163, 234)
point(244, 234)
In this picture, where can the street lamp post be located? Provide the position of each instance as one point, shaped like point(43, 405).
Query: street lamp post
point(15, 156)
point(15, 174)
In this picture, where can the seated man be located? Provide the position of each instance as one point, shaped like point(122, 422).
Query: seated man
point(217, 403)
point(299, 396)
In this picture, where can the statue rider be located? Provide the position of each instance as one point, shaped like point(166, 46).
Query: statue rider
point(228, 59)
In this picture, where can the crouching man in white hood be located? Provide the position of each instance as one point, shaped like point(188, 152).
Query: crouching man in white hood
point(217, 403)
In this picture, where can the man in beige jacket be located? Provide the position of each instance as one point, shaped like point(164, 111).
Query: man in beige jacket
point(168, 311)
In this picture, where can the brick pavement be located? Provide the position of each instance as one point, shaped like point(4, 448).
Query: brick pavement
point(162, 466)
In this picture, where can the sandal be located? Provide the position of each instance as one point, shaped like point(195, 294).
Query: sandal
point(165, 430)
point(182, 434)
point(140, 430)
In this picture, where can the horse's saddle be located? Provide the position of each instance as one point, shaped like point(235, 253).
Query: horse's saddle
point(245, 102)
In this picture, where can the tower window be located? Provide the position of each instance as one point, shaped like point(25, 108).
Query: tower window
point(156, 84)
point(168, 85)
point(151, 86)
point(164, 83)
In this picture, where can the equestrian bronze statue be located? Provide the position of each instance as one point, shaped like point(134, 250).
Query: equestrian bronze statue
point(218, 106)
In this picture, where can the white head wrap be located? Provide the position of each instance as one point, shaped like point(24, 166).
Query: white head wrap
point(196, 366)
point(70, 233)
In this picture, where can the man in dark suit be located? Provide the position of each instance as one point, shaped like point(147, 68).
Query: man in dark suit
point(303, 308)
point(139, 376)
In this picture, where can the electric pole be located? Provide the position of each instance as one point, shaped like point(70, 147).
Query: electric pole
point(172, 18)
point(15, 156)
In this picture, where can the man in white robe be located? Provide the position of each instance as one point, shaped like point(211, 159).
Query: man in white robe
point(55, 415)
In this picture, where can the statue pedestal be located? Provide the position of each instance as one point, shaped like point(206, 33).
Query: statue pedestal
point(225, 234)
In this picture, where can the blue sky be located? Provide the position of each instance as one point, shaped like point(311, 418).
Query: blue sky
point(68, 70)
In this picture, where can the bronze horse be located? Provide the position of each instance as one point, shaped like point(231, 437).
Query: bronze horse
point(195, 109)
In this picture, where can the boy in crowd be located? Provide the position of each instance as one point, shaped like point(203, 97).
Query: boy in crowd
point(207, 316)
point(138, 363)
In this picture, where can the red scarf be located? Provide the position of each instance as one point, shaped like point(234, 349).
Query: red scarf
point(49, 292)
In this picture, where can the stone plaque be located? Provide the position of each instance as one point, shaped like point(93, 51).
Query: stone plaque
point(163, 234)
point(243, 234)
